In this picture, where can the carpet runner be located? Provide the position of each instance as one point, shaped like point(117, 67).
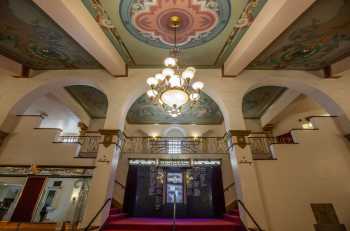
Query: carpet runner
point(121, 222)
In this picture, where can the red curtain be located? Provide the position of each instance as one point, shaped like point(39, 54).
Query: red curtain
point(28, 200)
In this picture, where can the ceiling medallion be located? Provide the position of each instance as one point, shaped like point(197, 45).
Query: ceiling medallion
point(173, 87)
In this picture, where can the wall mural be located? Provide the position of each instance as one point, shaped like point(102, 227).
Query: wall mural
point(201, 20)
point(32, 38)
point(206, 111)
point(93, 101)
point(320, 37)
point(256, 102)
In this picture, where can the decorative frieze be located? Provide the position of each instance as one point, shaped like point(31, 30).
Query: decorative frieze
point(238, 137)
point(112, 136)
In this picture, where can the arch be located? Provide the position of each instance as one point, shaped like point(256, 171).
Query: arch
point(139, 91)
point(23, 100)
point(318, 95)
point(182, 132)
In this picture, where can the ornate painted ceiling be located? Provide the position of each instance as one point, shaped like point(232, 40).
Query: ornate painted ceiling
point(206, 111)
point(256, 102)
point(30, 37)
point(320, 37)
point(93, 101)
point(209, 31)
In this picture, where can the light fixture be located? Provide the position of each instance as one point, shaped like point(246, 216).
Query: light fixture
point(172, 88)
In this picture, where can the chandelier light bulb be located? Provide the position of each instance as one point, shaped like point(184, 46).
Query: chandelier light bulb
point(197, 85)
point(152, 93)
point(175, 81)
point(168, 72)
point(151, 81)
point(194, 96)
point(170, 62)
point(159, 77)
point(189, 73)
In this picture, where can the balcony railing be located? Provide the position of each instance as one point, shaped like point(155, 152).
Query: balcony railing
point(175, 145)
point(88, 145)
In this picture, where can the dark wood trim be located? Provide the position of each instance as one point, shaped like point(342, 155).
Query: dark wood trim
point(48, 129)
point(223, 75)
point(320, 116)
point(41, 116)
point(124, 75)
point(303, 129)
point(15, 165)
point(25, 72)
point(66, 166)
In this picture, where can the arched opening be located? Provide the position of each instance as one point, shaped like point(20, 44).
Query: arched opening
point(297, 147)
point(49, 122)
point(178, 153)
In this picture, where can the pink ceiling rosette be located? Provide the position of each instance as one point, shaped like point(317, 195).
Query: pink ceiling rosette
point(196, 19)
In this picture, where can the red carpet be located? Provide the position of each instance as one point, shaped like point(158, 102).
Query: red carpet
point(119, 221)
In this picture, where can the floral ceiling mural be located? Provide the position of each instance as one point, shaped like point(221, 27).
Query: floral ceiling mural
point(320, 37)
point(206, 111)
point(201, 20)
point(210, 29)
point(32, 38)
point(256, 102)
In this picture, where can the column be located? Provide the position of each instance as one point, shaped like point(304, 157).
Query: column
point(102, 182)
point(246, 181)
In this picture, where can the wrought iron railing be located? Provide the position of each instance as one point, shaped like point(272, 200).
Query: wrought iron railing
point(261, 146)
point(88, 145)
point(175, 145)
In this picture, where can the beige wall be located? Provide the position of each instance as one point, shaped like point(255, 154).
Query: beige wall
point(313, 171)
point(293, 116)
point(27, 146)
point(161, 129)
point(58, 115)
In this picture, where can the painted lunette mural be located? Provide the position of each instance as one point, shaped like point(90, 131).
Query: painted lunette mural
point(32, 38)
point(93, 101)
point(256, 102)
point(206, 111)
point(319, 38)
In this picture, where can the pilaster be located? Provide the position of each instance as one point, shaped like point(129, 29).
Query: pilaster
point(102, 182)
point(246, 180)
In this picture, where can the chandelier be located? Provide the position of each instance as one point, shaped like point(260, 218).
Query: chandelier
point(172, 89)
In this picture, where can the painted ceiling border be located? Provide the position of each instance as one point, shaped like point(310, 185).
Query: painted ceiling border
point(246, 19)
point(103, 20)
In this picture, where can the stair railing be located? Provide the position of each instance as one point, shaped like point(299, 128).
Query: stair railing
point(97, 214)
point(240, 203)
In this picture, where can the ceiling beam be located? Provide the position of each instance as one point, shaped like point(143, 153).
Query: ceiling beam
point(273, 19)
point(75, 19)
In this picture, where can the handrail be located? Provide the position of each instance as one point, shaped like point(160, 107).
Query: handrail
point(249, 214)
point(174, 213)
point(98, 213)
point(229, 186)
point(120, 184)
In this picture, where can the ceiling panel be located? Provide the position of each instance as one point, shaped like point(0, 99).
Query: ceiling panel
point(320, 37)
point(210, 28)
point(32, 38)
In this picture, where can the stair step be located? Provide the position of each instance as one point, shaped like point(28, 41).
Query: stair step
point(114, 211)
point(233, 218)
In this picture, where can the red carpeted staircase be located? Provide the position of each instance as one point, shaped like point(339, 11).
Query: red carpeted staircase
point(119, 221)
